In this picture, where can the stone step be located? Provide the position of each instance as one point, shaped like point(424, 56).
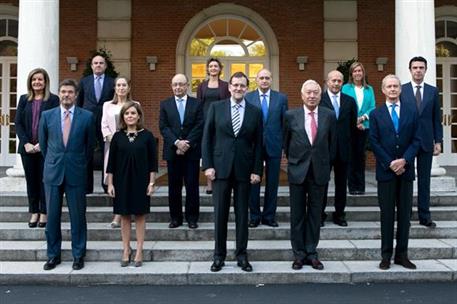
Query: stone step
point(198, 273)
point(161, 232)
point(161, 214)
point(160, 198)
point(331, 250)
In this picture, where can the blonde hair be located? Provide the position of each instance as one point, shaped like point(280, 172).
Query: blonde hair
point(351, 70)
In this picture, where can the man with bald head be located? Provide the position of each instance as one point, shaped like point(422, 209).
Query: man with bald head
point(309, 145)
point(181, 125)
point(345, 110)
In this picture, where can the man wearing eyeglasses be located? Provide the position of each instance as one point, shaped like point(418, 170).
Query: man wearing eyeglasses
point(273, 105)
point(231, 152)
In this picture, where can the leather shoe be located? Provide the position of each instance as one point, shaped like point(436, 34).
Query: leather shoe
point(297, 264)
point(428, 223)
point(405, 262)
point(217, 265)
point(315, 263)
point(209, 191)
point(385, 264)
point(193, 225)
point(339, 220)
point(78, 264)
point(244, 264)
point(253, 223)
point(42, 224)
point(271, 223)
point(174, 224)
point(52, 263)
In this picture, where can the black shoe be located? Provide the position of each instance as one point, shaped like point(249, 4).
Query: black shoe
point(217, 265)
point(297, 264)
point(192, 225)
point(52, 263)
point(322, 223)
point(428, 223)
point(253, 223)
point(244, 264)
point(315, 263)
point(78, 264)
point(209, 191)
point(385, 264)
point(33, 224)
point(174, 224)
point(42, 224)
point(271, 223)
point(405, 262)
point(339, 220)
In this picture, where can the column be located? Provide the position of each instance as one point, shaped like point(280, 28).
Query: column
point(415, 36)
point(38, 46)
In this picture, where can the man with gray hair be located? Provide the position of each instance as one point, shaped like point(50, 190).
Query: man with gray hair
point(309, 153)
point(395, 142)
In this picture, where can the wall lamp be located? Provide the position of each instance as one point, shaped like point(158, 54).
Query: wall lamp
point(73, 62)
point(302, 60)
point(381, 62)
point(151, 60)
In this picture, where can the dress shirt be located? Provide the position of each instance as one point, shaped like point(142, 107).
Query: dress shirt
point(102, 79)
point(397, 108)
point(308, 122)
point(240, 109)
point(414, 85)
point(267, 96)
point(184, 101)
point(338, 96)
point(359, 96)
point(62, 114)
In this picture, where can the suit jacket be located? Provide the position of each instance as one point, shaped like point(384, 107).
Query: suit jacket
point(387, 145)
point(191, 129)
point(223, 151)
point(66, 163)
point(273, 126)
point(299, 151)
point(346, 123)
point(86, 95)
point(23, 120)
point(430, 128)
point(368, 104)
point(223, 90)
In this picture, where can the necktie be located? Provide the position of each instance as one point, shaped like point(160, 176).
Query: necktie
point(181, 109)
point(336, 106)
point(313, 127)
point(236, 119)
point(98, 87)
point(66, 127)
point(418, 97)
point(394, 117)
point(264, 107)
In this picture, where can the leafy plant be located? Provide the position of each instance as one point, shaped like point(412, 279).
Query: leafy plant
point(344, 66)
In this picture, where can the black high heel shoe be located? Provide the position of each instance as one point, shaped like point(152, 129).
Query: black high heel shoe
point(33, 224)
point(125, 263)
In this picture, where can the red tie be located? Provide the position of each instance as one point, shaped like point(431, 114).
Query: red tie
point(313, 127)
point(66, 127)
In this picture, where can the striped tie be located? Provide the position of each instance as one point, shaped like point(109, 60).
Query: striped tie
point(236, 119)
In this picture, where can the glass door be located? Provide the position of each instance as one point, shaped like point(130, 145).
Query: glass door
point(8, 96)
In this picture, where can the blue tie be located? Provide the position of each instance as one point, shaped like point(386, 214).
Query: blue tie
point(336, 106)
point(98, 87)
point(264, 107)
point(395, 117)
point(181, 109)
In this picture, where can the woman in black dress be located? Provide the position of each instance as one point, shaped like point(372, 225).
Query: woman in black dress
point(132, 167)
point(211, 90)
point(29, 109)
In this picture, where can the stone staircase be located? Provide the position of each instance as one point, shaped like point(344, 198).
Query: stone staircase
point(183, 256)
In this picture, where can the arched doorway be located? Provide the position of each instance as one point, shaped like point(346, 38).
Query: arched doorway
point(8, 85)
point(236, 35)
point(446, 81)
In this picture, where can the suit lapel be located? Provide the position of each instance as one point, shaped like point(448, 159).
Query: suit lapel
point(73, 126)
point(273, 104)
point(228, 116)
point(386, 114)
point(301, 124)
point(425, 98)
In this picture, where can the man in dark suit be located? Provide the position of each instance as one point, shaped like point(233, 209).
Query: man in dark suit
point(67, 141)
point(394, 140)
point(94, 90)
point(232, 159)
point(273, 105)
point(181, 125)
point(345, 110)
point(426, 99)
point(309, 145)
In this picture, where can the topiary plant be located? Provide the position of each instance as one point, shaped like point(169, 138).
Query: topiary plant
point(344, 66)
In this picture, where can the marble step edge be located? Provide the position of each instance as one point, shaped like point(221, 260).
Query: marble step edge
point(198, 273)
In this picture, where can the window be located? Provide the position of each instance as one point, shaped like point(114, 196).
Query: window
point(446, 37)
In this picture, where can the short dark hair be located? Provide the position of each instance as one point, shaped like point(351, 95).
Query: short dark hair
point(215, 60)
point(125, 107)
point(69, 82)
point(417, 58)
point(240, 75)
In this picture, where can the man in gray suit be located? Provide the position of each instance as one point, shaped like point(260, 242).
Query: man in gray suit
point(66, 138)
point(273, 105)
point(309, 144)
